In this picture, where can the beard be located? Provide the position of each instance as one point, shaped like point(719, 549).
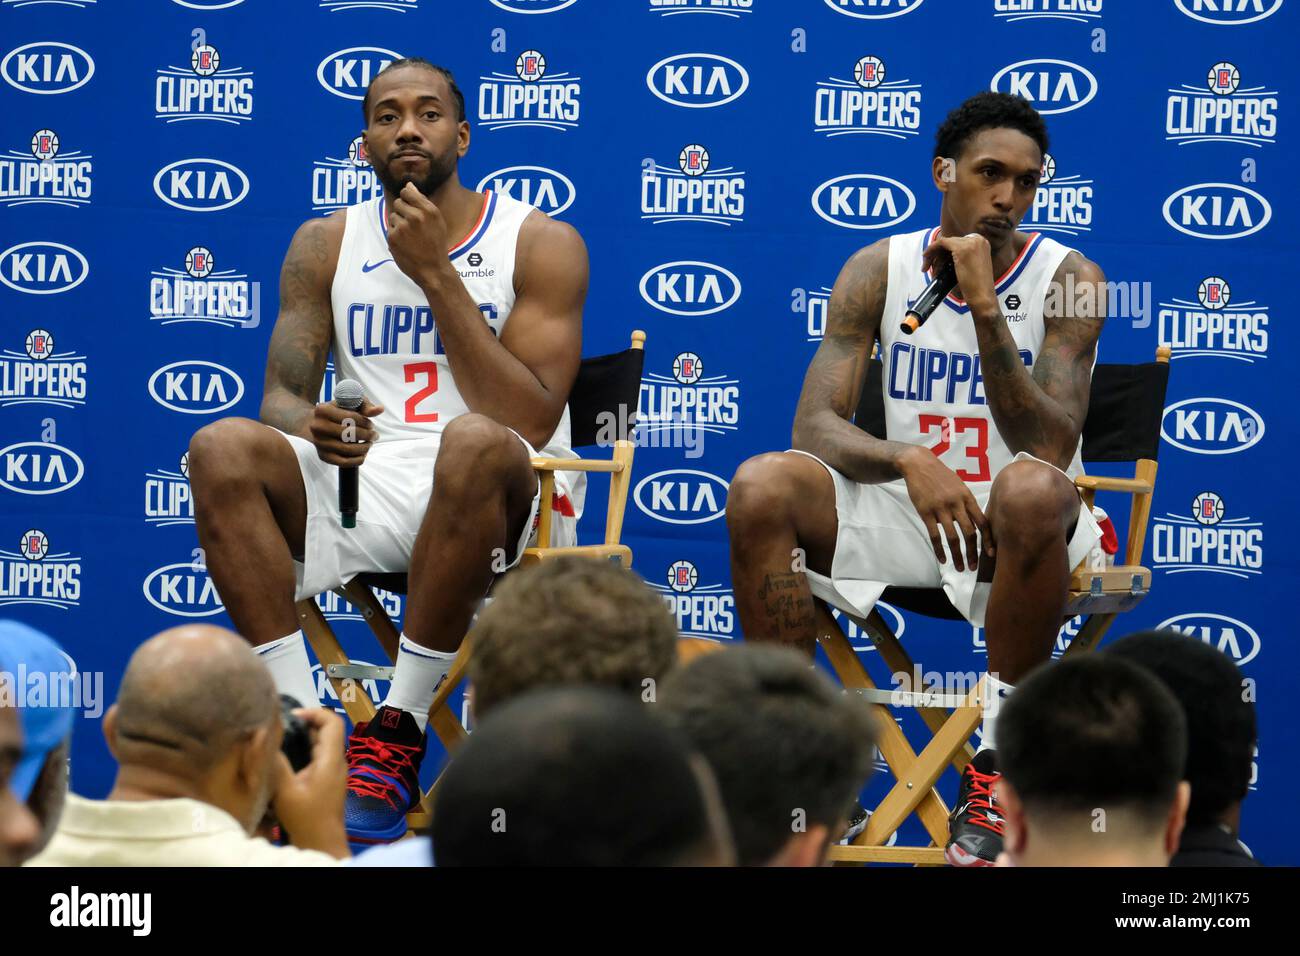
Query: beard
point(440, 170)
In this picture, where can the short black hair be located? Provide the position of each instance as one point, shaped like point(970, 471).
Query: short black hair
point(421, 62)
point(1093, 732)
point(779, 736)
point(572, 777)
point(988, 110)
point(1221, 731)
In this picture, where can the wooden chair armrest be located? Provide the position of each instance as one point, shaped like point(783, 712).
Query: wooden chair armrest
point(1101, 483)
point(576, 464)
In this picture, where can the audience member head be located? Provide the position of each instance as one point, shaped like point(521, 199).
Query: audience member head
point(197, 716)
point(41, 777)
point(1091, 752)
point(19, 829)
point(789, 749)
point(1220, 719)
point(570, 621)
point(577, 777)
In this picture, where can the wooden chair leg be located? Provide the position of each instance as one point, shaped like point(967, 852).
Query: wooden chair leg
point(1094, 628)
point(364, 600)
point(326, 647)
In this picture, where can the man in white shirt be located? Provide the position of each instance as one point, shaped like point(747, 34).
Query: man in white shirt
point(196, 731)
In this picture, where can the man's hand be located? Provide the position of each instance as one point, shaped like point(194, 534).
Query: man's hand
point(343, 436)
point(944, 502)
point(309, 803)
point(417, 236)
point(973, 259)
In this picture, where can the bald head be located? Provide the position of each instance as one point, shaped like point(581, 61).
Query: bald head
point(188, 695)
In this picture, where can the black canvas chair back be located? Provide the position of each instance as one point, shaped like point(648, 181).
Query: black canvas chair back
point(1124, 408)
point(607, 385)
point(1123, 424)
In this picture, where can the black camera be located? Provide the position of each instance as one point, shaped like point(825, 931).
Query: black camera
point(296, 745)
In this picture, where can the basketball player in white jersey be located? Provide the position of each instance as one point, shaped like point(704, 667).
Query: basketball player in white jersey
point(460, 314)
point(971, 489)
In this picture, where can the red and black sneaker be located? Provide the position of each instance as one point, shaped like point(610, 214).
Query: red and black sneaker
point(975, 825)
point(384, 755)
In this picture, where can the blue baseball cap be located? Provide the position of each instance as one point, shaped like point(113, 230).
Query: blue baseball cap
point(47, 717)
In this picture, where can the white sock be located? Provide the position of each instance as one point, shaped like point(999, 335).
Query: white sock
point(416, 677)
point(997, 693)
point(286, 659)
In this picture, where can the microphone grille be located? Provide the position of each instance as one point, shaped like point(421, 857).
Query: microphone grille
point(348, 394)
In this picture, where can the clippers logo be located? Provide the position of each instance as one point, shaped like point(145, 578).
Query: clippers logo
point(1052, 86)
point(167, 497)
point(1228, 13)
point(1211, 426)
point(42, 175)
point(202, 293)
point(693, 192)
point(813, 304)
point(1061, 203)
point(723, 8)
point(1226, 634)
point(550, 191)
point(533, 96)
point(42, 268)
point(689, 287)
point(688, 400)
point(681, 496)
point(204, 91)
point(873, 9)
point(392, 6)
point(1064, 637)
point(338, 183)
point(46, 67)
point(39, 468)
point(347, 73)
point(336, 608)
point(200, 185)
point(195, 387)
point(1208, 328)
point(36, 575)
point(697, 80)
point(863, 201)
point(1217, 211)
point(1206, 541)
point(533, 6)
point(707, 610)
point(1221, 111)
point(867, 103)
point(1080, 11)
point(184, 590)
point(208, 4)
point(40, 376)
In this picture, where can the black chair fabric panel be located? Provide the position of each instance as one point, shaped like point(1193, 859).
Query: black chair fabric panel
point(606, 383)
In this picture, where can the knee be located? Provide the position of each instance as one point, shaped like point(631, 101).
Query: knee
point(1031, 502)
point(475, 449)
point(760, 492)
point(224, 451)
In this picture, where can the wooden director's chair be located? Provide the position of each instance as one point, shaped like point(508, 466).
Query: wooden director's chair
point(602, 410)
point(1123, 425)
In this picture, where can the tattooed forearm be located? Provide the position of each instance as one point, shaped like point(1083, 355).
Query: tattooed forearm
point(823, 420)
point(295, 361)
point(1042, 412)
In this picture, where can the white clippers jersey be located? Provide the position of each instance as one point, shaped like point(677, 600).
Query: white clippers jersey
point(933, 389)
point(386, 337)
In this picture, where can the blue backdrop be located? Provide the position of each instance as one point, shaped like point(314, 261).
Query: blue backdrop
point(722, 158)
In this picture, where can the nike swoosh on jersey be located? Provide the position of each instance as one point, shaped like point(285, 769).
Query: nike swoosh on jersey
point(367, 267)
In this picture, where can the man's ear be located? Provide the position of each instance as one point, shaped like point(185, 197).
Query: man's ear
point(1015, 836)
point(944, 171)
point(1177, 817)
point(251, 766)
point(462, 136)
point(110, 731)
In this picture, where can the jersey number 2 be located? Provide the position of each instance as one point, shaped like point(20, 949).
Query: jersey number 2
point(430, 372)
point(979, 451)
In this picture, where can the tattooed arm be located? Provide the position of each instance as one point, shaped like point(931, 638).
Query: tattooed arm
point(295, 360)
point(823, 420)
point(1043, 412)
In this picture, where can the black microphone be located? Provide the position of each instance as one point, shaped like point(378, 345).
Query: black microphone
point(348, 394)
point(943, 283)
